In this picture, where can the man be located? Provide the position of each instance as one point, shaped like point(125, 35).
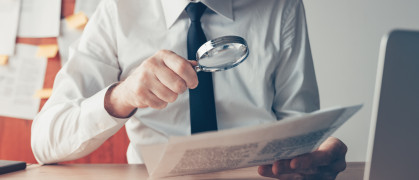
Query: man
point(130, 68)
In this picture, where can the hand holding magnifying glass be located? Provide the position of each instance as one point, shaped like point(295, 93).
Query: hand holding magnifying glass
point(221, 54)
point(153, 85)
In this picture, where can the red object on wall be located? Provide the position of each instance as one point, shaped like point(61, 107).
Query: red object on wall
point(15, 141)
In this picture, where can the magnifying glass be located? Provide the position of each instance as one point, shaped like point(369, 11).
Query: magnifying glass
point(221, 54)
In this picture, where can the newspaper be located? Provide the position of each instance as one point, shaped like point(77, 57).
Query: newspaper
point(244, 147)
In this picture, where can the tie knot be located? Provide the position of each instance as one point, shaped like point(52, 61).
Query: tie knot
point(195, 11)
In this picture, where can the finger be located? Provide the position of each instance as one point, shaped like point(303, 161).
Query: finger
point(193, 62)
point(163, 92)
point(171, 80)
point(337, 147)
point(266, 171)
point(335, 167)
point(329, 151)
point(181, 67)
point(281, 167)
point(153, 101)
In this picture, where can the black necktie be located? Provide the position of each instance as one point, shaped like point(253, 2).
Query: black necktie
point(201, 99)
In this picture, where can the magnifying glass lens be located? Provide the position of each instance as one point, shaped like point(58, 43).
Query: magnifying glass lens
point(226, 56)
point(221, 54)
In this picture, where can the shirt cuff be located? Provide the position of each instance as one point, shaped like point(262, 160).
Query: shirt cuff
point(95, 116)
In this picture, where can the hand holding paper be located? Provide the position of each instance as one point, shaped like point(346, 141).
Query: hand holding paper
point(326, 162)
point(244, 147)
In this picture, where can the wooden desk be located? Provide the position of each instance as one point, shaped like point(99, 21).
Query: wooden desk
point(354, 171)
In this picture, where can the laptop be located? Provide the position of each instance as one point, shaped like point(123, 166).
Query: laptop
point(393, 149)
point(10, 166)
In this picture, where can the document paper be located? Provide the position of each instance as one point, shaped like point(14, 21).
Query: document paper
point(40, 18)
point(244, 147)
point(9, 20)
point(19, 81)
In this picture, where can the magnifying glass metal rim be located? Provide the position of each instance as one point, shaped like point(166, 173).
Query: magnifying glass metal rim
point(215, 43)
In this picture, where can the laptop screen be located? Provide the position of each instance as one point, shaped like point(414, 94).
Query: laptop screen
point(394, 135)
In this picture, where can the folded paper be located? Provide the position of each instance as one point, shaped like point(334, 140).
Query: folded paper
point(244, 147)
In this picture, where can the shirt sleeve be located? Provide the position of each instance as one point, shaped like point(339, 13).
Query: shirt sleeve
point(295, 83)
point(74, 122)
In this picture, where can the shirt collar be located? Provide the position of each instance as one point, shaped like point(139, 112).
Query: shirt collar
point(173, 8)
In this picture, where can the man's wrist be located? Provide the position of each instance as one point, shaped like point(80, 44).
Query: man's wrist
point(115, 104)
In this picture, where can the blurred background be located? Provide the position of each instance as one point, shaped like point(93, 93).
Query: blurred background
point(345, 39)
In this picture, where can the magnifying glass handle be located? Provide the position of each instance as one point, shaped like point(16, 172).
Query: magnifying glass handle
point(197, 69)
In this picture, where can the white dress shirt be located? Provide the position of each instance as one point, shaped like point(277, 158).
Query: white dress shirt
point(277, 79)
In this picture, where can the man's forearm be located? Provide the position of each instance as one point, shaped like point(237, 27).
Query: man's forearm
point(70, 130)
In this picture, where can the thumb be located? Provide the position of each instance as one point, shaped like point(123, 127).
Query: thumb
point(193, 62)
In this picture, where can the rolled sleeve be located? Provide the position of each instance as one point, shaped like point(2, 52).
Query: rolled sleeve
point(74, 121)
point(296, 90)
point(97, 119)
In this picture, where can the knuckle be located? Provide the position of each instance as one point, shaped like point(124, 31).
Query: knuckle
point(179, 86)
point(304, 161)
point(172, 97)
point(141, 91)
point(276, 172)
point(182, 67)
point(163, 53)
point(146, 102)
point(150, 63)
point(142, 78)
point(156, 104)
point(152, 104)
point(262, 171)
point(160, 105)
point(140, 104)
